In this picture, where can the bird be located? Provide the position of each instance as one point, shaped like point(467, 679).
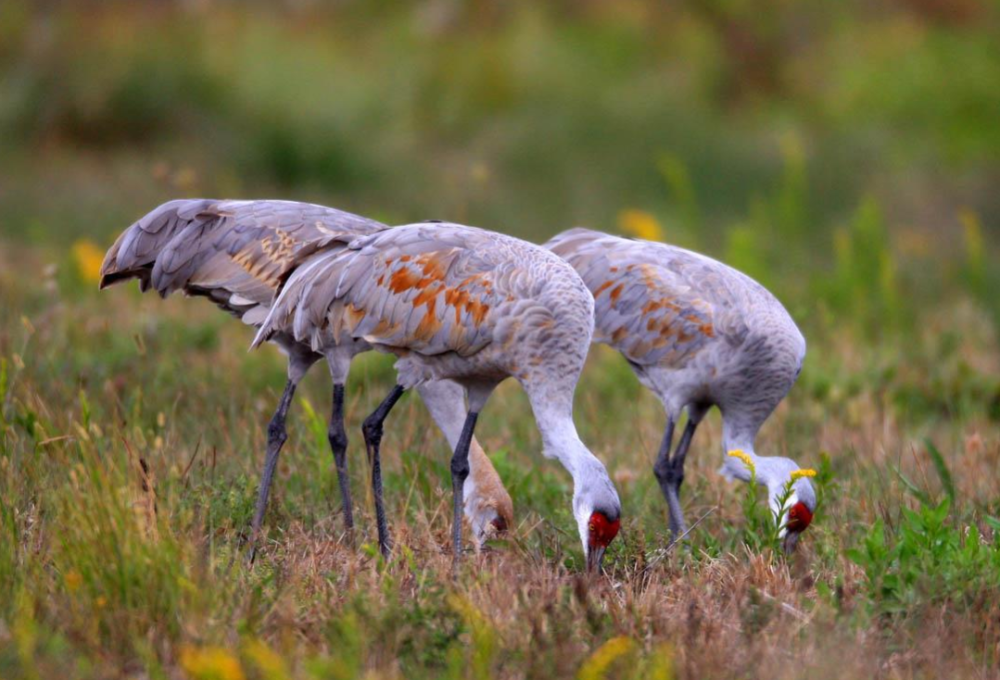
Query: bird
point(698, 333)
point(472, 306)
point(237, 254)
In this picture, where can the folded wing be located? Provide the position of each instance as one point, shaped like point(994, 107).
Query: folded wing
point(237, 253)
point(427, 287)
point(654, 303)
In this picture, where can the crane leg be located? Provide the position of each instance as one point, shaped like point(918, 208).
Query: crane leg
point(669, 472)
point(337, 436)
point(459, 473)
point(662, 469)
point(276, 436)
point(372, 430)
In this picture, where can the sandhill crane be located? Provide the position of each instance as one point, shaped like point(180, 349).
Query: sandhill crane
point(698, 333)
point(473, 306)
point(237, 253)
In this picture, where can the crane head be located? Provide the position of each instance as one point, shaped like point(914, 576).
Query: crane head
point(790, 493)
point(601, 530)
point(490, 512)
point(799, 517)
point(799, 508)
point(596, 508)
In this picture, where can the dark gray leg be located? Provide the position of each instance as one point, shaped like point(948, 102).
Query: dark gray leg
point(372, 430)
point(662, 470)
point(337, 436)
point(459, 473)
point(276, 436)
point(670, 473)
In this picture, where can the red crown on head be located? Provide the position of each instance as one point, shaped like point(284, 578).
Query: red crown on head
point(799, 517)
point(602, 529)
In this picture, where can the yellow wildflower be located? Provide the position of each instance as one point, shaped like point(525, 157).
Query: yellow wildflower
point(597, 664)
point(804, 472)
point(640, 224)
point(73, 581)
point(747, 460)
point(211, 663)
point(484, 647)
point(267, 661)
point(660, 663)
point(88, 259)
point(101, 602)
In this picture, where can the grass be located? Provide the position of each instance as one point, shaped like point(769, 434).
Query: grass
point(107, 568)
point(841, 155)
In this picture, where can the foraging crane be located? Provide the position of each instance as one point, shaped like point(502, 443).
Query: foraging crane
point(698, 333)
point(237, 253)
point(468, 305)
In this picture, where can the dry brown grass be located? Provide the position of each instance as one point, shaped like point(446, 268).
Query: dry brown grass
point(94, 584)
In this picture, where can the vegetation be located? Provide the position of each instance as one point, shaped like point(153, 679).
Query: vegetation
point(844, 154)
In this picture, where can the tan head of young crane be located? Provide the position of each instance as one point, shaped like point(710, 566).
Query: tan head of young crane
point(472, 306)
point(237, 254)
point(698, 333)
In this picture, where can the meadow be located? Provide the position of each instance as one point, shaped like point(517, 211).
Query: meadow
point(845, 156)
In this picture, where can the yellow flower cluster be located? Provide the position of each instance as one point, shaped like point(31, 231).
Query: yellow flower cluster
point(88, 259)
point(596, 666)
point(270, 665)
point(804, 472)
point(640, 224)
point(73, 580)
point(211, 663)
point(739, 453)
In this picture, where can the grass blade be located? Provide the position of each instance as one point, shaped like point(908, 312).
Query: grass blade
point(915, 490)
point(944, 474)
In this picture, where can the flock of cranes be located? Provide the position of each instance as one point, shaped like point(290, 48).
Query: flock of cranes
point(464, 309)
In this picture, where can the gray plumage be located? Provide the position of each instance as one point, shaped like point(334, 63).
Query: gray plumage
point(503, 306)
point(460, 303)
point(238, 254)
point(696, 332)
point(235, 252)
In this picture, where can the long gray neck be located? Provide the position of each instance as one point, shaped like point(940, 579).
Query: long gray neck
point(562, 442)
point(769, 471)
point(772, 472)
point(445, 400)
point(592, 487)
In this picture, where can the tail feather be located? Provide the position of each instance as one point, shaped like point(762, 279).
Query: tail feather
point(237, 253)
point(134, 253)
point(288, 313)
point(568, 240)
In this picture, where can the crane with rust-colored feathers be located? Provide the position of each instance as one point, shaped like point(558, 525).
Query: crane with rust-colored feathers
point(698, 334)
point(471, 306)
point(238, 254)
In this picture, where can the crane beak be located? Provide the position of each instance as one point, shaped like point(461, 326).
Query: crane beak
point(595, 559)
point(790, 541)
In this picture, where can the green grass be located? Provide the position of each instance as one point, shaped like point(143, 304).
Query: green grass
point(839, 153)
point(904, 545)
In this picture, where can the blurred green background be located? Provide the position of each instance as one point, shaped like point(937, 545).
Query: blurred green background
point(847, 153)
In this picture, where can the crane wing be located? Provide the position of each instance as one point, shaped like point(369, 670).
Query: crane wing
point(235, 252)
point(426, 287)
point(654, 303)
point(136, 249)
